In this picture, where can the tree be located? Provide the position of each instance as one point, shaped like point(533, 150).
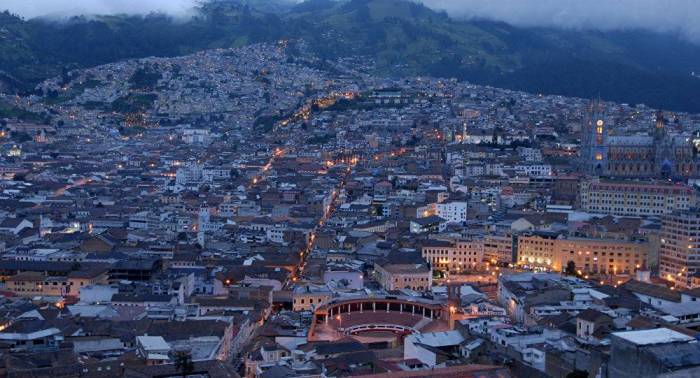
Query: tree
point(183, 363)
point(145, 77)
point(570, 268)
point(21, 137)
point(577, 374)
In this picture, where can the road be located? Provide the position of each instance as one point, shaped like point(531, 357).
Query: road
point(327, 214)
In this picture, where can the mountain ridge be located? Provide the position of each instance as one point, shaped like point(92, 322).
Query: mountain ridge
point(402, 37)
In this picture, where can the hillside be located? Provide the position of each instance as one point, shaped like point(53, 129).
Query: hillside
point(403, 38)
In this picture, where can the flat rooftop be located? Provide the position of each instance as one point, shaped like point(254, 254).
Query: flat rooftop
point(653, 336)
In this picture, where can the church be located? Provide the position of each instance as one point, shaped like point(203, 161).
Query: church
point(657, 154)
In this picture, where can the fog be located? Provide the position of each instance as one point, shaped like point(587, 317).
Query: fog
point(66, 8)
point(671, 16)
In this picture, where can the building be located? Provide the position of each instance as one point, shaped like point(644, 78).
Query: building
point(589, 255)
point(518, 293)
point(634, 198)
point(656, 154)
point(31, 335)
point(533, 170)
point(653, 353)
point(432, 349)
point(404, 270)
point(593, 324)
point(87, 277)
point(538, 249)
point(154, 349)
point(679, 254)
point(498, 248)
point(454, 255)
point(309, 297)
point(451, 212)
point(31, 284)
point(191, 173)
point(431, 223)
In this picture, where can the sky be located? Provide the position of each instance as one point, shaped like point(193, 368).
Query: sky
point(674, 16)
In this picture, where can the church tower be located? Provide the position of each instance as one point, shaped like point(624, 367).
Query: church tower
point(203, 215)
point(665, 164)
point(464, 132)
point(659, 126)
point(594, 147)
point(203, 222)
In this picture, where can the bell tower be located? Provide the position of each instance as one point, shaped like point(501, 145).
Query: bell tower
point(594, 138)
point(659, 126)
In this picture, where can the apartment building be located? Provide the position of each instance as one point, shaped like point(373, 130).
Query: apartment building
point(633, 198)
point(454, 254)
point(679, 252)
point(498, 248)
point(589, 255)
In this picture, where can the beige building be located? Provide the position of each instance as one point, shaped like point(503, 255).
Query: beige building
point(679, 254)
point(597, 256)
point(414, 276)
point(538, 250)
point(87, 277)
point(31, 284)
point(628, 198)
point(454, 255)
point(498, 248)
point(309, 297)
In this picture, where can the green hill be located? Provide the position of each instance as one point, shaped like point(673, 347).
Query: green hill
point(403, 38)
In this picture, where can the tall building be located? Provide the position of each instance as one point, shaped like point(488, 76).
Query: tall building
point(679, 254)
point(656, 154)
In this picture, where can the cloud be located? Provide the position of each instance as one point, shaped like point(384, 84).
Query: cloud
point(66, 8)
point(669, 16)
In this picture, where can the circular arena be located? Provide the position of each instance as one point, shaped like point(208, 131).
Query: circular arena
point(377, 319)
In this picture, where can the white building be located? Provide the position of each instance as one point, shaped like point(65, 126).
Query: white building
point(413, 346)
point(451, 212)
point(533, 170)
point(196, 136)
point(192, 173)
